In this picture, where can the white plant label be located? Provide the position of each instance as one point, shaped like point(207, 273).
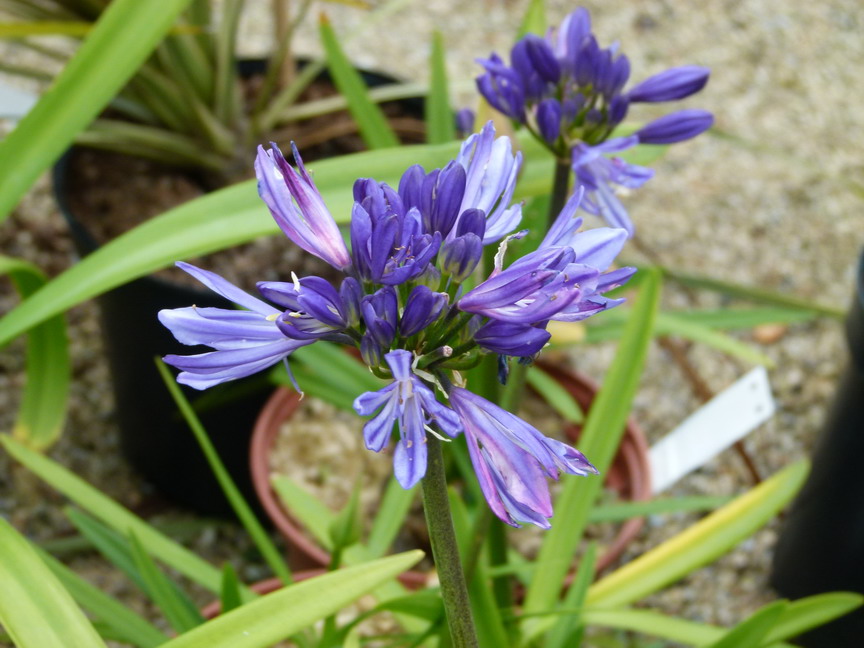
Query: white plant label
point(715, 426)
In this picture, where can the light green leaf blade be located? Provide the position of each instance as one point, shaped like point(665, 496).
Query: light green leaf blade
point(391, 515)
point(626, 510)
point(43, 403)
point(35, 609)
point(567, 629)
point(230, 594)
point(232, 493)
point(534, 21)
point(750, 632)
point(271, 618)
point(810, 612)
point(603, 429)
point(117, 517)
point(374, 129)
point(553, 393)
point(439, 118)
point(125, 35)
point(125, 623)
point(669, 324)
point(176, 607)
point(701, 543)
point(309, 511)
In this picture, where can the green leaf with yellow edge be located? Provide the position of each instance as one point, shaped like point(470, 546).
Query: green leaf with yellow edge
point(700, 543)
point(43, 403)
point(35, 609)
point(122, 39)
point(279, 615)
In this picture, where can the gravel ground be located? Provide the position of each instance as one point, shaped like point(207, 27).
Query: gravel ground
point(767, 207)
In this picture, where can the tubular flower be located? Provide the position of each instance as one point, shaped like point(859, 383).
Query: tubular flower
point(412, 405)
point(569, 92)
point(512, 460)
point(403, 305)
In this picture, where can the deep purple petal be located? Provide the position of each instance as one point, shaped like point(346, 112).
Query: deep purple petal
point(672, 84)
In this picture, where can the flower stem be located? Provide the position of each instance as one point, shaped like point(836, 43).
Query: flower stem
point(445, 551)
point(560, 190)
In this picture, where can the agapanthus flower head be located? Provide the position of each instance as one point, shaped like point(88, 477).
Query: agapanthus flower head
point(567, 89)
point(403, 304)
point(570, 93)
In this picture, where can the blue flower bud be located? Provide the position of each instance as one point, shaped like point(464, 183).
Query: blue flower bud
point(421, 309)
point(549, 119)
point(676, 127)
point(672, 84)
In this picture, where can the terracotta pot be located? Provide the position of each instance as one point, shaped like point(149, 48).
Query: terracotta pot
point(629, 474)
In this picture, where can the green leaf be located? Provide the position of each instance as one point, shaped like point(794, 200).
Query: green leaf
point(122, 39)
point(439, 118)
point(602, 433)
point(568, 629)
point(750, 632)
point(35, 609)
point(669, 324)
point(753, 293)
point(178, 609)
point(811, 612)
point(374, 129)
point(43, 403)
point(391, 515)
point(745, 318)
point(115, 516)
point(126, 624)
point(281, 614)
point(627, 510)
point(553, 393)
point(309, 511)
point(346, 528)
point(243, 511)
point(699, 544)
point(534, 21)
point(797, 617)
point(230, 594)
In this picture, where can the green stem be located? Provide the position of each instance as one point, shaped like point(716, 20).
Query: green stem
point(560, 190)
point(454, 591)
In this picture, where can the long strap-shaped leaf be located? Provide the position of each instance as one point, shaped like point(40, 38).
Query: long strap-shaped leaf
point(124, 36)
point(43, 404)
point(374, 129)
point(701, 543)
point(603, 430)
point(279, 615)
point(35, 609)
point(117, 517)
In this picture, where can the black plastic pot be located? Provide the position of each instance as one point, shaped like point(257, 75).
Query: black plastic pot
point(153, 436)
point(821, 548)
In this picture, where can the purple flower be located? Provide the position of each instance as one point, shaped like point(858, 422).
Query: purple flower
point(676, 127)
point(246, 341)
point(465, 122)
point(600, 175)
point(298, 208)
point(412, 405)
point(513, 459)
point(672, 84)
point(491, 172)
point(507, 338)
point(568, 90)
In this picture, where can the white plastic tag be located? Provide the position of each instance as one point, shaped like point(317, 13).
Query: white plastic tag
point(727, 417)
point(14, 103)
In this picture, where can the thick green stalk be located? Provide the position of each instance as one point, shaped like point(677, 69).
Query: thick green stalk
point(560, 190)
point(445, 551)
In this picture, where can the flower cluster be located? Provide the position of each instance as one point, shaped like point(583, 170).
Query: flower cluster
point(569, 92)
point(403, 304)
